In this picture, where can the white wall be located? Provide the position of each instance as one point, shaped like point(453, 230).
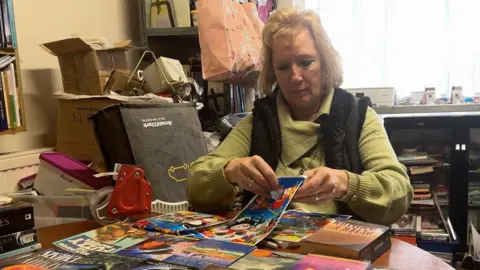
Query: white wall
point(42, 21)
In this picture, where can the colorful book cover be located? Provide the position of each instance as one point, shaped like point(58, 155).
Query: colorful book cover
point(45, 259)
point(103, 261)
point(107, 239)
point(320, 262)
point(210, 251)
point(159, 247)
point(258, 218)
point(261, 259)
point(295, 226)
point(179, 221)
point(152, 264)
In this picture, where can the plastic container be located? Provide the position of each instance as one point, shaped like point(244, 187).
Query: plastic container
point(53, 210)
point(58, 172)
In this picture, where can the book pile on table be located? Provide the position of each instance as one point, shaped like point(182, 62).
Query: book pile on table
point(190, 240)
point(17, 228)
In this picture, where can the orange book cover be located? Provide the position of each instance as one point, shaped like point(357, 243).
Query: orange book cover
point(349, 239)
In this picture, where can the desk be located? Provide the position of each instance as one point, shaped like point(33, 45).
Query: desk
point(401, 256)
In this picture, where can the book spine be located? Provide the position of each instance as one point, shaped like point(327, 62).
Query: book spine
point(11, 96)
point(7, 99)
point(376, 248)
point(15, 93)
point(3, 112)
point(11, 17)
point(6, 24)
point(18, 240)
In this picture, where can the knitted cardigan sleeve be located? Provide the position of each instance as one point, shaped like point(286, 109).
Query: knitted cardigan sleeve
point(382, 193)
point(207, 187)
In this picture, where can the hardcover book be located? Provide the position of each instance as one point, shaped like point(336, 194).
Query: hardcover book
point(159, 247)
point(210, 251)
point(321, 262)
point(349, 238)
point(267, 260)
point(107, 239)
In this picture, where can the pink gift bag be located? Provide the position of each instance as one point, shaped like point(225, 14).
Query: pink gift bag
point(230, 41)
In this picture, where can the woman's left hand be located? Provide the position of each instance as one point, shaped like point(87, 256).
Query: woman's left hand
point(322, 184)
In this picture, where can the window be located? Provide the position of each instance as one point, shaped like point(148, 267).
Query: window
point(407, 44)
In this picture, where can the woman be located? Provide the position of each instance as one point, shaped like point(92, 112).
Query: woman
point(300, 60)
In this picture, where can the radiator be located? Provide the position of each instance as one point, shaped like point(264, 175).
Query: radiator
point(16, 166)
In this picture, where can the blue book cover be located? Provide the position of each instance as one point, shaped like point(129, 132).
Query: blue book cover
point(180, 222)
point(210, 251)
point(107, 239)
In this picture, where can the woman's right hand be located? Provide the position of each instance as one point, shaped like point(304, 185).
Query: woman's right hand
point(252, 174)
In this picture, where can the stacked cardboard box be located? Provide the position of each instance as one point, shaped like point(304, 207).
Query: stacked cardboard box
point(85, 73)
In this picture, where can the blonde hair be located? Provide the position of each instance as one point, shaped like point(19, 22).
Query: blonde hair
point(290, 22)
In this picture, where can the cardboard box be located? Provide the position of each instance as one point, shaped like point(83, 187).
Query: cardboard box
point(86, 70)
point(75, 135)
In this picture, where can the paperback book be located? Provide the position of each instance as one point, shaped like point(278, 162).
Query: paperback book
point(159, 247)
point(152, 264)
point(45, 259)
point(257, 220)
point(209, 251)
point(107, 239)
point(178, 222)
point(349, 238)
point(261, 259)
point(295, 226)
point(103, 261)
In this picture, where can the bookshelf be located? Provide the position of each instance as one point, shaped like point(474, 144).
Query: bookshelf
point(12, 72)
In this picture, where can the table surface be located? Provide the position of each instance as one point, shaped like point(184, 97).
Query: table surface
point(401, 256)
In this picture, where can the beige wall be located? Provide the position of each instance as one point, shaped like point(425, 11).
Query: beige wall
point(48, 20)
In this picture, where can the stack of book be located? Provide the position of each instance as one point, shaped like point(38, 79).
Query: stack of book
point(10, 116)
point(425, 172)
point(18, 234)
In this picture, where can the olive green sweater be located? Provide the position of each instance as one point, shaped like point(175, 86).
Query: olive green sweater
point(381, 194)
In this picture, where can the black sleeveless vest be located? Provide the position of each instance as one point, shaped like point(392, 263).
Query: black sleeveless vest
point(340, 129)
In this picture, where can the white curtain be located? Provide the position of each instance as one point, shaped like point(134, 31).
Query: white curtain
point(406, 44)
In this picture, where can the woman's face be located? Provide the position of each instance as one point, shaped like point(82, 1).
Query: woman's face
point(297, 67)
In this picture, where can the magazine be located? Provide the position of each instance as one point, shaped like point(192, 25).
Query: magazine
point(180, 221)
point(159, 247)
point(295, 226)
point(267, 260)
point(209, 251)
point(107, 239)
point(258, 218)
point(45, 259)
